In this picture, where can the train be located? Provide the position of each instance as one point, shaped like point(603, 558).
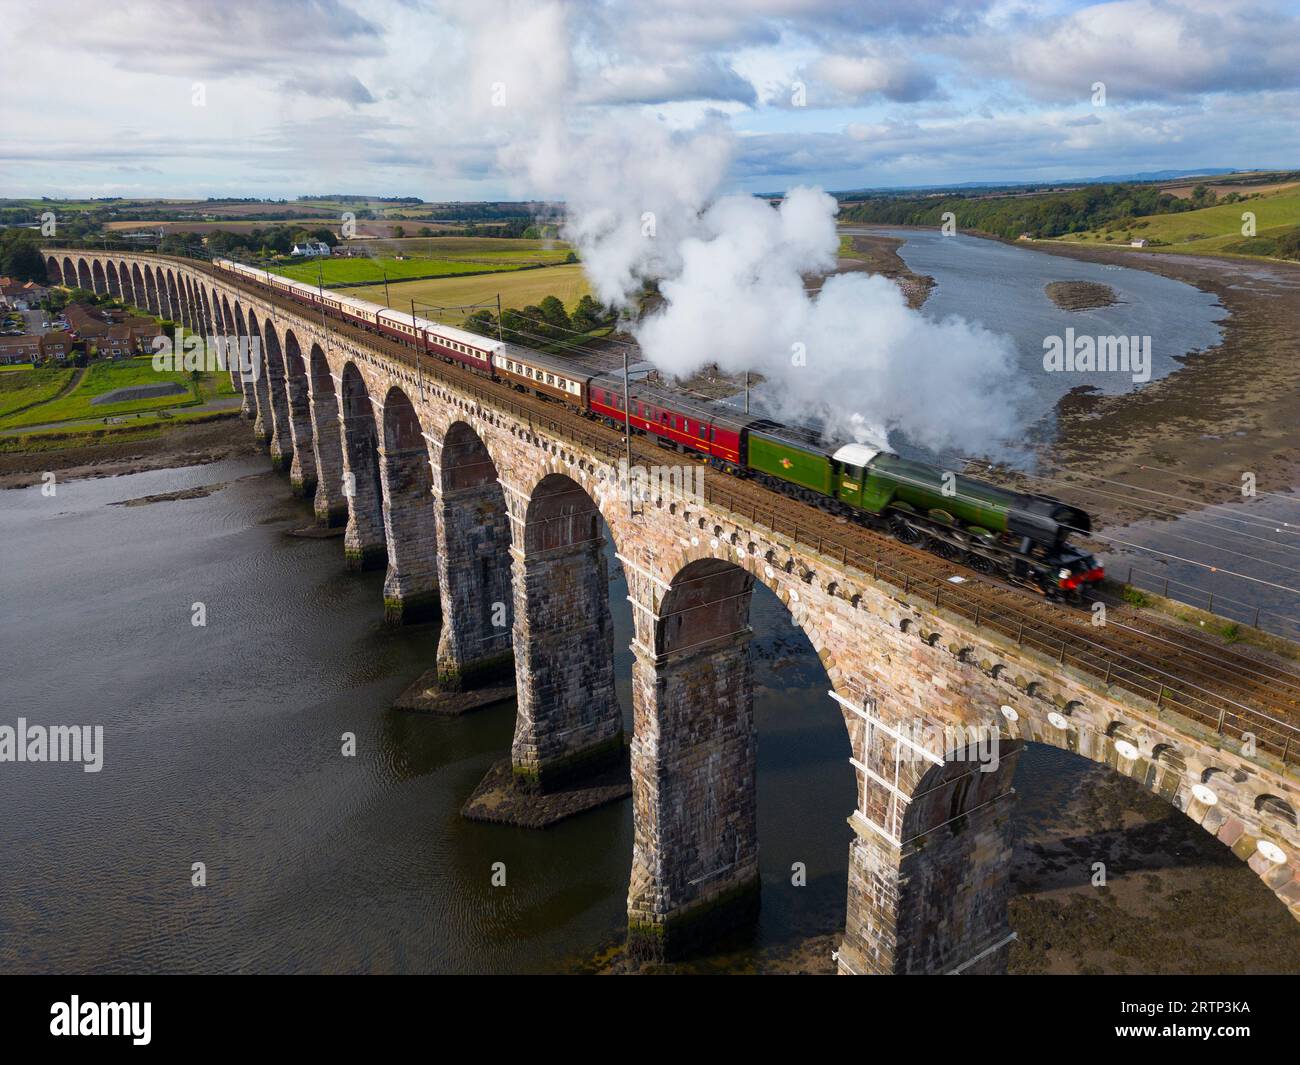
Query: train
point(1021, 537)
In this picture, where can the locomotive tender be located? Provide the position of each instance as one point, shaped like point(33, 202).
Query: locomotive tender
point(1022, 537)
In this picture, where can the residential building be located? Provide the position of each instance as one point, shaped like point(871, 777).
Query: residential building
point(57, 345)
point(15, 350)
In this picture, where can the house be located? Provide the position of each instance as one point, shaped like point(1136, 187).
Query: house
point(20, 295)
point(143, 335)
point(311, 247)
point(85, 322)
point(57, 345)
point(14, 350)
point(118, 342)
point(1139, 243)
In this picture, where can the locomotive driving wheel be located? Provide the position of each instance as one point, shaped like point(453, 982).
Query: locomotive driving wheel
point(904, 532)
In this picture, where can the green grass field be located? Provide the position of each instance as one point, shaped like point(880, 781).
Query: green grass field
point(567, 283)
point(1211, 230)
point(23, 386)
point(100, 378)
point(427, 257)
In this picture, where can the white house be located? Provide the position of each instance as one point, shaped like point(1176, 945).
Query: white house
point(1139, 243)
point(312, 247)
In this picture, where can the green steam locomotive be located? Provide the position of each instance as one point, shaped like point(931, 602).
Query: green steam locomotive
point(1024, 538)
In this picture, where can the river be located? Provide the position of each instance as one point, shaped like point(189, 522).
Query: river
point(222, 745)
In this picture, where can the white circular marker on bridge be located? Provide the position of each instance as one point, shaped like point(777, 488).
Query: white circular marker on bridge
point(1126, 750)
point(767, 571)
point(1058, 720)
point(695, 541)
point(1204, 795)
point(1009, 712)
point(714, 543)
point(1271, 851)
point(794, 596)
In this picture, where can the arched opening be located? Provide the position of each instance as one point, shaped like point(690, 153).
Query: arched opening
point(138, 285)
point(706, 690)
point(330, 504)
point(1111, 875)
point(175, 311)
point(84, 279)
point(363, 541)
point(264, 420)
point(124, 280)
point(114, 286)
point(151, 291)
point(302, 472)
point(98, 279)
point(281, 429)
point(474, 566)
point(411, 584)
point(207, 321)
point(53, 273)
point(69, 274)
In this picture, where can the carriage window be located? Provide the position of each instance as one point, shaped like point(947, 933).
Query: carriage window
point(550, 378)
point(713, 433)
point(704, 433)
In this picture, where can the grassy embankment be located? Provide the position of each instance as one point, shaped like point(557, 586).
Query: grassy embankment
point(32, 397)
point(1209, 231)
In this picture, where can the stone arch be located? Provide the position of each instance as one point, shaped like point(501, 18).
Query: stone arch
point(114, 285)
point(69, 273)
point(363, 541)
point(281, 430)
point(193, 304)
point(410, 527)
point(302, 471)
point(264, 420)
point(568, 722)
point(209, 312)
point(330, 505)
point(474, 564)
point(53, 272)
point(151, 291)
point(695, 871)
point(1228, 812)
point(124, 280)
point(139, 287)
point(233, 327)
point(97, 277)
point(176, 311)
point(84, 278)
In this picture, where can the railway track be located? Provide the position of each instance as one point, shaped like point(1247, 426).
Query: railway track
point(1222, 689)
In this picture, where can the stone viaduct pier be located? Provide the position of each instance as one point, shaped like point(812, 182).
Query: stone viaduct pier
point(491, 510)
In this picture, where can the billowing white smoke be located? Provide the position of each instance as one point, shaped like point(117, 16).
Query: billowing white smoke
point(644, 203)
point(853, 355)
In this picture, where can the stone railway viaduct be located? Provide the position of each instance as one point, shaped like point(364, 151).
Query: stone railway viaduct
point(496, 520)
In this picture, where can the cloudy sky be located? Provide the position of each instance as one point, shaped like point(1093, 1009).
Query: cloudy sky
point(402, 97)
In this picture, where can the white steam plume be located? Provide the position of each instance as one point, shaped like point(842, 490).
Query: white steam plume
point(643, 202)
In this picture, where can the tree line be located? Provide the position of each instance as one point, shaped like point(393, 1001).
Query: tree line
point(1047, 215)
point(544, 322)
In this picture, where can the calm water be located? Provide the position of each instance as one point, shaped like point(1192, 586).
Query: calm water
point(1002, 287)
point(222, 745)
